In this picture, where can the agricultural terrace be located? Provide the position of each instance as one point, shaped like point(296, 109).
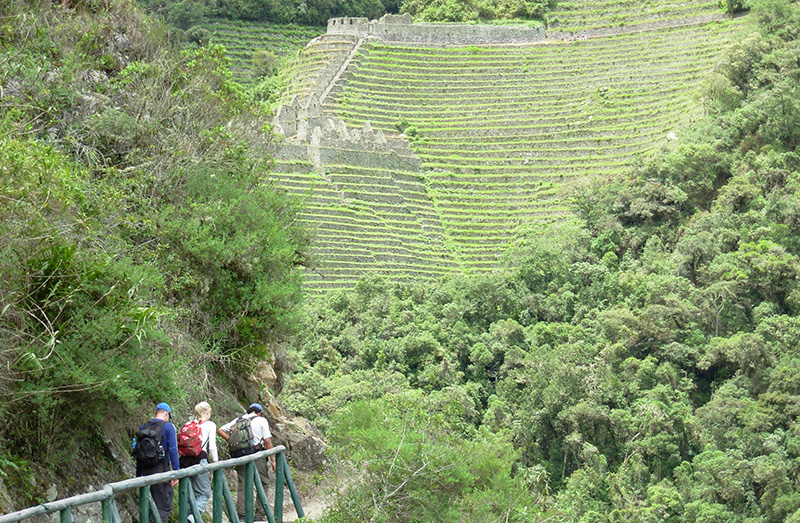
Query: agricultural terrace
point(500, 129)
point(242, 39)
point(624, 15)
point(367, 221)
point(315, 66)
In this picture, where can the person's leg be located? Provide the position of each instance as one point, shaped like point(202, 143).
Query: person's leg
point(267, 479)
point(201, 484)
point(162, 496)
point(240, 489)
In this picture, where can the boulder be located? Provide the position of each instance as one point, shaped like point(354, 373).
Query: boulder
point(305, 446)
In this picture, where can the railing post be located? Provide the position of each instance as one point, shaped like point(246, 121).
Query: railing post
point(279, 478)
point(298, 507)
point(192, 509)
point(218, 497)
point(66, 515)
point(144, 504)
point(249, 476)
point(262, 496)
point(183, 500)
point(155, 515)
point(115, 517)
point(226, 491)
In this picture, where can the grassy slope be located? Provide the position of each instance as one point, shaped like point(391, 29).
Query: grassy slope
point(242, 39)
point(501, 130)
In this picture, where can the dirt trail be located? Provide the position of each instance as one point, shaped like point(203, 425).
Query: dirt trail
point(312, 507)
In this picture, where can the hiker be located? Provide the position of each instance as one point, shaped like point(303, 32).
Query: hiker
point(197, 445)
point(155, 449)
point(260, 438)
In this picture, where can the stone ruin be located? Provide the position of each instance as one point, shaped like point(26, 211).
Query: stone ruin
point(303, 123)
point(321, 139)
point(401, 28)
point(363, 27)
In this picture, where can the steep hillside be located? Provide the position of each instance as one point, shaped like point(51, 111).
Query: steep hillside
point(638, 363)
point(498, 128)
point(243, 39)
point(614, 16)
point(143, 258)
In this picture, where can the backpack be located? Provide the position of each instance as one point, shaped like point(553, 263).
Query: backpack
point(190, 439)
point(148, 450)
point(241, 438)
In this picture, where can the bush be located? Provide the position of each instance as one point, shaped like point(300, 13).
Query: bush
point(198, 35)
point(265, 63)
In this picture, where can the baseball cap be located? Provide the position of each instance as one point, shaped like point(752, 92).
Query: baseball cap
point(257, 407)
point(164, 406)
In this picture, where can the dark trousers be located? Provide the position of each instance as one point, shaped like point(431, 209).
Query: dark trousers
point(267, 481)
point(162, 494)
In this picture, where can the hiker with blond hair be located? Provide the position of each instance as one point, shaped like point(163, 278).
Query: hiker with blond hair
point(197, 444)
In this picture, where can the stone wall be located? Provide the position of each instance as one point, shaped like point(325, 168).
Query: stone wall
point(309, 135)
point(394, 28)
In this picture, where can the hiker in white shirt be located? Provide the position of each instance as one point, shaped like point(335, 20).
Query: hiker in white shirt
point(201, 483)
point(262, 440)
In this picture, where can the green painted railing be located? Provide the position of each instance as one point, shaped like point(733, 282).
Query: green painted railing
point(221, 494)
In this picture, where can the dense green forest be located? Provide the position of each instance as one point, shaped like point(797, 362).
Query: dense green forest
point(639, 363)
point(143, 253)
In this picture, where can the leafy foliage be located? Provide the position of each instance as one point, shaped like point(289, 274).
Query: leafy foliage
point(418, 466)
point(475, 10)
point(185, 13)
point(142, 244)
point(640, 361)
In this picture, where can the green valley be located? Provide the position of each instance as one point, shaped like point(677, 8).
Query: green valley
point(545, 267)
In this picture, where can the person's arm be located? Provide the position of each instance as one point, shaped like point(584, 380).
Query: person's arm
point(268, 445)
point(213, 456)
point(171, 439)
point(223, 434)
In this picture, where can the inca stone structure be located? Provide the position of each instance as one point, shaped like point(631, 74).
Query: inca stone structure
point(423, 150)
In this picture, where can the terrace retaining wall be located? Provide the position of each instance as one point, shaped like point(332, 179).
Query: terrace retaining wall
point(400, 28)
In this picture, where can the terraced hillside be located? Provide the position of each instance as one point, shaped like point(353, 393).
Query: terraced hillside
point(495, 130)
point(615, 16)
point(241, 39)
point(367, 220)
point(315, 66)
point(499, 129)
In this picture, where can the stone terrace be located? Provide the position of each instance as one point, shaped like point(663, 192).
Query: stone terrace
point(496, 130)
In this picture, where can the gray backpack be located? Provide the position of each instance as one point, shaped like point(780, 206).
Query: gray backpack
point(241, 439)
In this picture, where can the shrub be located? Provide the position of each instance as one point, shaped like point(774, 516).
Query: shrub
point(198, 35)
point(265, 63)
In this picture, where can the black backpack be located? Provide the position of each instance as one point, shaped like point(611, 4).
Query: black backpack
point(148, 450)
point(241, 439)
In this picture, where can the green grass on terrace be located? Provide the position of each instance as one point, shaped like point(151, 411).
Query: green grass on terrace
point(575, 15)
point(382, 216)
point(241, 39)
point(500, 128)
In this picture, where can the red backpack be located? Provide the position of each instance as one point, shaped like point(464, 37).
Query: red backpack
point(190, 440)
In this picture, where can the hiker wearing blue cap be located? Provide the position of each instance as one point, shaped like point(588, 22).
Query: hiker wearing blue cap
point(155, 449)
point(247, 434)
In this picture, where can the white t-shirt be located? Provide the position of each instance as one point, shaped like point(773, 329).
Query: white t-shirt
point(259, 425)
point(208, 431)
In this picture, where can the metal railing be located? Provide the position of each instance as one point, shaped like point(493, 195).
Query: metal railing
point(221, 494)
